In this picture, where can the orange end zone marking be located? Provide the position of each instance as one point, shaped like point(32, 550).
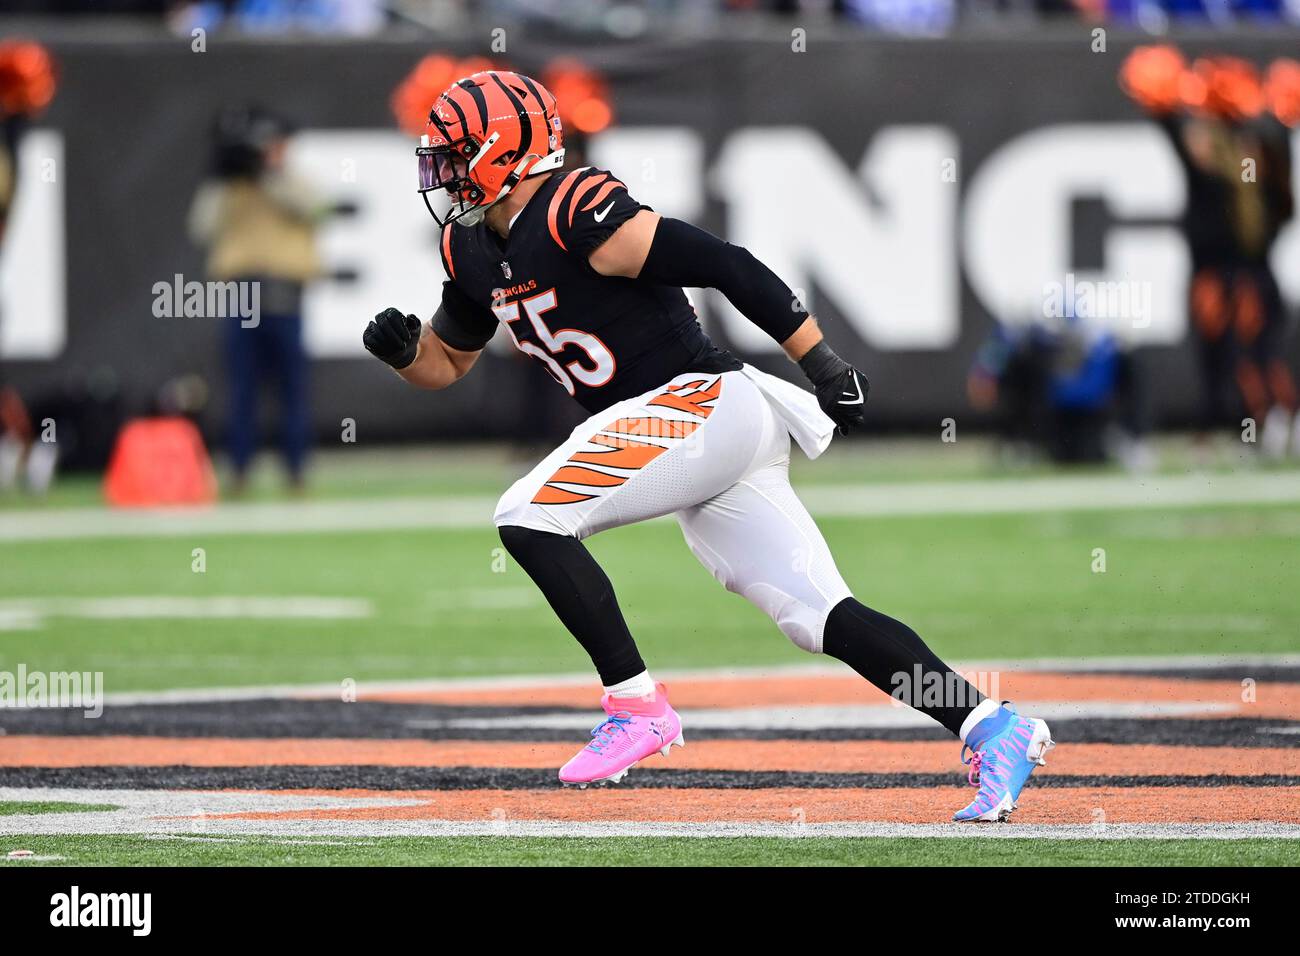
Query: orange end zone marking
point(807, 756)
point(1280, 700)
point(1077, 805)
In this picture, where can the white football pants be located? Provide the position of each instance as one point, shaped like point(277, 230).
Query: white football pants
point(712, 450)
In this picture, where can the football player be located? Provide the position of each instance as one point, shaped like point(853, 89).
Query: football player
point(588, 281)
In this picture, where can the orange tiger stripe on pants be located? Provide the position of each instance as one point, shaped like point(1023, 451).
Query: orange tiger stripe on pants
point(626, 453)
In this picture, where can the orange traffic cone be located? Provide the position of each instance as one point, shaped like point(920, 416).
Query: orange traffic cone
point(159, 461)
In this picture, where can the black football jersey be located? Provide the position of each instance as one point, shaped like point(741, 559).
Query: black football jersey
point(602, 338)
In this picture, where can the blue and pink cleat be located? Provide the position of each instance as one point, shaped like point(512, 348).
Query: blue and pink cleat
point(1005, 749)
point(633, 729)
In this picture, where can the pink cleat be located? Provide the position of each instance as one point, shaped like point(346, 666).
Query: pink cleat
point(635, 728)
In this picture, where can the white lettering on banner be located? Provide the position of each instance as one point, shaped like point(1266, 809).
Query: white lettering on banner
point(1286, 251)
point(880, 245)
point(391, 242)
point(33, 271)
point(1017, 232)
point(660, 165)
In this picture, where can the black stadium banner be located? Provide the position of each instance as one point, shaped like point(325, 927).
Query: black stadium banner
point(913, 191)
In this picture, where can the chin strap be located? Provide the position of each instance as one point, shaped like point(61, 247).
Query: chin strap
point(545, 164)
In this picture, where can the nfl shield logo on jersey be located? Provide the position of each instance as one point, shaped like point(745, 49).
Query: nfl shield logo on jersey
point(505, 267)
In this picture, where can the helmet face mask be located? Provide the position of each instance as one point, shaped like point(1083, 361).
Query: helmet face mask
point(447, 168)
point(486, 133)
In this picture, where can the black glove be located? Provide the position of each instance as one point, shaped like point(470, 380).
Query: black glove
point(841, 389)
point(393, 338)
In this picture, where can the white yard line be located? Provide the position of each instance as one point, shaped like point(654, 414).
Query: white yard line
point(16, 612)
point(1003, 496)
point(526, 682)
point(847, 716)
point(198, 813)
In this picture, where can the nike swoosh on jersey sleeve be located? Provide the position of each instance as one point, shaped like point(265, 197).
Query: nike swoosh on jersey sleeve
point(586, 208)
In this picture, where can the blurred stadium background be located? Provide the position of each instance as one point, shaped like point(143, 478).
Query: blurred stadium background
point(1058, 236)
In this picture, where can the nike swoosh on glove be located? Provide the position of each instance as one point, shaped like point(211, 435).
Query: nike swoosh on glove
point(841, 389)
point(393, 338)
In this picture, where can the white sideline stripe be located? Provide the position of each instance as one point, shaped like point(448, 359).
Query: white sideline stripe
point(190, 812)
point(28, 613)
point(378, 514)
point(821, 717)
point(525, 682)
point(14, 611)
point(1011, 496)
point(986, 496)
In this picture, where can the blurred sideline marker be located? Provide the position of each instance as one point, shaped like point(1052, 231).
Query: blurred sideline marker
point(159, 461)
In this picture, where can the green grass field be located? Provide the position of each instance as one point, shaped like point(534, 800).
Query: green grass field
point(199, 850)
point(1193, 581)
point(446, 603)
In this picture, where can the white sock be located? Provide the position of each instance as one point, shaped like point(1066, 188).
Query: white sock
point(985, 708)
point(642, 685)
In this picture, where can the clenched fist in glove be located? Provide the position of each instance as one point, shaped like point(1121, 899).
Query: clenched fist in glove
point(393, 338)
point(841, 389)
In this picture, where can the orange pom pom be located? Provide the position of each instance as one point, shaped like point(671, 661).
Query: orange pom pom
point(27, 77)
point(1229, 87)
point(1153, 76)
point(1282, 91)
point(414, 96)
point(581, 94)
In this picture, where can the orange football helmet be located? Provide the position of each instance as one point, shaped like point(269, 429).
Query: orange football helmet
point(485, 134)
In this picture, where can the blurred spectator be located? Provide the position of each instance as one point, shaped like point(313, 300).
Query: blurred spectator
point(258, 221)
point(906, 17)
point(351, 17)
point(1236, 159)
point(27, 85)
point(628, 18)
point(1065, 387)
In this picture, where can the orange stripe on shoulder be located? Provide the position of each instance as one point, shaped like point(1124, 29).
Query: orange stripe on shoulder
point(605, 190)
point(557, 200)
point(446, 249)
point(588, 184)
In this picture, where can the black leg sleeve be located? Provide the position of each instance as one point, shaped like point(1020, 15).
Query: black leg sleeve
point(581, 596)
point(893, 657)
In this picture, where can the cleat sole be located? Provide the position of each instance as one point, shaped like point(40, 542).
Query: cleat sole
point(680, 741)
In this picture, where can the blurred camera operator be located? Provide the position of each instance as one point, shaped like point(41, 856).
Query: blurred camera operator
point(258, 222)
